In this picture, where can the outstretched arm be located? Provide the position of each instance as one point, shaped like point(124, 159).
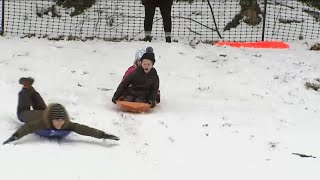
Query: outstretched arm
point(89, 131)
point(24, 130)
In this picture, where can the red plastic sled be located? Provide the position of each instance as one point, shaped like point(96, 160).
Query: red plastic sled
point(259, 44)
point(134, 107)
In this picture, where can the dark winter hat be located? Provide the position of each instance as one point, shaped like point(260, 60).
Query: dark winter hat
point(149, 56)
point(57, 111)
point(149, 49)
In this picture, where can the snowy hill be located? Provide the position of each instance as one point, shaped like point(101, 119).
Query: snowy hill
point(224, 114)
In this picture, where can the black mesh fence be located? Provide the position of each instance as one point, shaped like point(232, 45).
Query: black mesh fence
point(1, 16)
point(291, 20)
point(208, 20)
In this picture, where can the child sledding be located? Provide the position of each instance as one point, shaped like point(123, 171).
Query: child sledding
point(50, 121)
point(137, 63)
point(140, 86)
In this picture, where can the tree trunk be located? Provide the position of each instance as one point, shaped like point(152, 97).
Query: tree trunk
point(250, 11)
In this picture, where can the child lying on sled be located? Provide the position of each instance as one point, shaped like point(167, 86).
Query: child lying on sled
point(51, 118)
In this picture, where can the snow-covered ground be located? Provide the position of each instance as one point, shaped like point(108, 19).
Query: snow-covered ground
point(225, 113)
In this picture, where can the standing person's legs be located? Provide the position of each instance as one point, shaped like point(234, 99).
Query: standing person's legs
point(149, 11)
point(167, 22)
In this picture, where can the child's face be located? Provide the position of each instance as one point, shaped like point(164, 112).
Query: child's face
point(58, 123)
point(146, 65)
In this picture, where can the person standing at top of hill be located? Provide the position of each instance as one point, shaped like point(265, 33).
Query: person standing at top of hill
point(165, 7)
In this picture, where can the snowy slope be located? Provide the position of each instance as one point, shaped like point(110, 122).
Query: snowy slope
point(224, 113)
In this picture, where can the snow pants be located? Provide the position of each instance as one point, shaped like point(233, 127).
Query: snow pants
point(28, 98)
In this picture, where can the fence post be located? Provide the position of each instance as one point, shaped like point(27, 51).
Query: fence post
point(2, 18)
point(264, 18)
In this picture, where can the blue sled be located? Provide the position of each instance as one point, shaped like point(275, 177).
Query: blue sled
point(52, 133)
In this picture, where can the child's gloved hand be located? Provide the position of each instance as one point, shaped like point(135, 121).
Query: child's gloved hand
point(109, 136)
point(114, 100)
point(12, 138)
point(152, 103)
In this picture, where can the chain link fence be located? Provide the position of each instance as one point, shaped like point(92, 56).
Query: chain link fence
point(207, 20)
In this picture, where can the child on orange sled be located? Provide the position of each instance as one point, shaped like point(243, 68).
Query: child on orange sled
point(142, 84)
point(137, 63)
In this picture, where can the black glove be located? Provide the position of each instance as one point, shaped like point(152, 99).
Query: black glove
point(114, 100)
point(12, 138)
point(109, 136)
point(143, 1)
point(152, 103)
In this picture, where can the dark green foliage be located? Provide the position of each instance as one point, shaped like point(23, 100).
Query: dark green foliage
point(78, 5)
point(189, 1)
point(45, 11)
point(312, 86)
point(315, 47)
point(312, 3)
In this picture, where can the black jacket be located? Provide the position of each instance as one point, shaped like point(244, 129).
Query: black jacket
point(139, 84)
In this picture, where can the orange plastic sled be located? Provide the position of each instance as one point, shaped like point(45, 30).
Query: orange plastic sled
point(259, 44)
point(134, 107)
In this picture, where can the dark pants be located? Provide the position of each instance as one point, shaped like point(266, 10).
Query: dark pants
point(134, 99)
point(165, 10)
point(29, 98)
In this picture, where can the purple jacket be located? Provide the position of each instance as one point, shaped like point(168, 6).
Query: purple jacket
point(129, 71)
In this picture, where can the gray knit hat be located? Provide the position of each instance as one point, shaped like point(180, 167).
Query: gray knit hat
point(149, 49)
point(57, 111)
